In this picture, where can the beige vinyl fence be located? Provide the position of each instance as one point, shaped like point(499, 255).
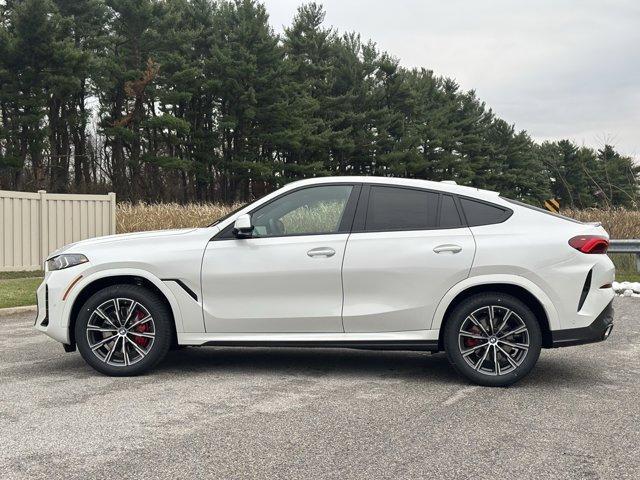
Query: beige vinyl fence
point(35, 224)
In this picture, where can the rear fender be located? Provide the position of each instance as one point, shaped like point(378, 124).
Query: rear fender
point(550, 310)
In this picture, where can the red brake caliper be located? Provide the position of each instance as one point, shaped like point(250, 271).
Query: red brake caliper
point(472, 342)
point(143, 327)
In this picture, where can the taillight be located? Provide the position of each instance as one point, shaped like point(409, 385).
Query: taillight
point(590, 243)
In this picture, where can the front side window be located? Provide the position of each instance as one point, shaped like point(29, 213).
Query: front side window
point(314, 210)
point(393, 208)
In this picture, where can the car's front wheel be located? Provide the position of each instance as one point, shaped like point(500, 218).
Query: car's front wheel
point(493, 339)
point(123, 330)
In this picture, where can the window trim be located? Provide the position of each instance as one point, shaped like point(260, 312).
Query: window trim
point(355, 212)
point(456, 205)
point(346, 222)
point(359, 222)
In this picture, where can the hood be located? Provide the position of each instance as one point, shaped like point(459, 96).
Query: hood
point(123, 237)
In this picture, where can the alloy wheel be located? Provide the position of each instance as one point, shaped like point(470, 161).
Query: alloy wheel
point(493, 340)
point(120, 332)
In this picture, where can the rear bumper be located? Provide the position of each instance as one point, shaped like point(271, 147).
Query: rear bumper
point(598, 331)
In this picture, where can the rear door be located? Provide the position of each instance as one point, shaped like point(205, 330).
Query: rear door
point(407, 248)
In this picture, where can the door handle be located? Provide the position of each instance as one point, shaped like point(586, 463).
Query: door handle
point(321, 252)
point(449, 247)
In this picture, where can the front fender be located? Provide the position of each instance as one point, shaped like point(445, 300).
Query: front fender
point(535, 290)
point(65, 317)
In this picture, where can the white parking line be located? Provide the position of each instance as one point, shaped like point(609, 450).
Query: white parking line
point(460, 395)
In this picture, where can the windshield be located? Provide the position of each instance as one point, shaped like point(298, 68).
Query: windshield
point(224, 217)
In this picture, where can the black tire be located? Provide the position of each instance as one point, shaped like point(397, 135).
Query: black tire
point(161, 330)
point(454, 340)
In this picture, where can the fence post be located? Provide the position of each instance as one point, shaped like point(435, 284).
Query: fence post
point(112, 197)
point(43, 227)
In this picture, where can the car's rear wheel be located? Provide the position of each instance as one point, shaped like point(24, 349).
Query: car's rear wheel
point(493, 339)
point(123, 330)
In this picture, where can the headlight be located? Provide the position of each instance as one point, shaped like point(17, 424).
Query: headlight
point(65, 260)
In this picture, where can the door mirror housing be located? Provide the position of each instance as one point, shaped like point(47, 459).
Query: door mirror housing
point(242, 227)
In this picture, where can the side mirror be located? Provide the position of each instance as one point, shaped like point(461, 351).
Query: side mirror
point(242, 227)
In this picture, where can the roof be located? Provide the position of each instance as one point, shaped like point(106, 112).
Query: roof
point(409, 182)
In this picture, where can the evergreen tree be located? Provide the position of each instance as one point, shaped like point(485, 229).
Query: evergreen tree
point(201, 100)
point(617, 177)
point(309, 49)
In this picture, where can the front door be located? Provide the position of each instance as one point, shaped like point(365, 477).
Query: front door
point(287, 277)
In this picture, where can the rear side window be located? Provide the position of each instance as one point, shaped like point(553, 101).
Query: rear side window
point(480, 213)
point(449, 216)
point(392, 208)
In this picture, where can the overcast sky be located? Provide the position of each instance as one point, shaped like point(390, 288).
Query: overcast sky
point(558, 69)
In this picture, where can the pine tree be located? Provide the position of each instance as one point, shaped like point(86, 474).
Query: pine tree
point(250, 94)
point(126, 74)
point(309, 49)
point(200, 99)
point(617, 178)
point(83, 35)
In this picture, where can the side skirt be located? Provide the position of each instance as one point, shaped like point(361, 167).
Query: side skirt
point(422, 340)
point(426, 345)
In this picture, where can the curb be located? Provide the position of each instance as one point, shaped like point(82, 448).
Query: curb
point(16, 310)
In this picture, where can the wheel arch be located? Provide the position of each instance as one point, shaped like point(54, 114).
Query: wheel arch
point(538, 302)
point(101, 280)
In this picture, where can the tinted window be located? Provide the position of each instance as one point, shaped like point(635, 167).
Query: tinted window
point(449, 216)
point(303, 212)
point(479, 213)
point(393, 208)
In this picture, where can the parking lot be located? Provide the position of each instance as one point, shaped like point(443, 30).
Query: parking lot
point(295, 413)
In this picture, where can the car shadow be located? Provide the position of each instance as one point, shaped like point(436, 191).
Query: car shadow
point(312, 362)
point(367, 364)
point(553, 372)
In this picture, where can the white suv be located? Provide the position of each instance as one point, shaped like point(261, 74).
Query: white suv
point(355, 262)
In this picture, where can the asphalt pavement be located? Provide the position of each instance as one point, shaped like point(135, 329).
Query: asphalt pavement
point(234, 413)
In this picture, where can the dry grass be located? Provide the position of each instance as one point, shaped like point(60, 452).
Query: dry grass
point(161, 216)
point(146, 216)
point(135, 218)
point(321, 217)
point(618, 222)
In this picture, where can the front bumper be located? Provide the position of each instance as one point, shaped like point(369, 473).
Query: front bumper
point(50, 318)
point(598, 331)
